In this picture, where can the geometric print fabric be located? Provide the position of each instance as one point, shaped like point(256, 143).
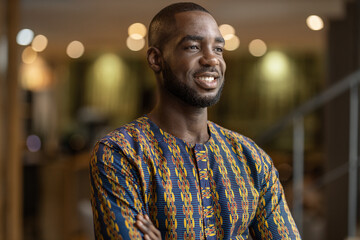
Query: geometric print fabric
point(227, 188)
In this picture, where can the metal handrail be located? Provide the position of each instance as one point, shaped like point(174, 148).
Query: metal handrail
point(311, 105)
point(296, 117)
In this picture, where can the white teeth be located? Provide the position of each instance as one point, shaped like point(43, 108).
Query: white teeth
point(208, 79)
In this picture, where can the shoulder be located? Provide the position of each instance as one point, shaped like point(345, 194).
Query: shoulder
point(125, 135)
point(123, 143)
point(235, 138)
point(253, 153)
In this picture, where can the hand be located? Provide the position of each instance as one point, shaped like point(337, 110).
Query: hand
point(145, 225)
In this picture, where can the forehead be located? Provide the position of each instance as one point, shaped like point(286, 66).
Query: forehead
point(196, 23)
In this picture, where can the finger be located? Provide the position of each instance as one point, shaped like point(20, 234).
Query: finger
point(154, 232)
point(140, 224)
point(146, 237)
point(145, 226)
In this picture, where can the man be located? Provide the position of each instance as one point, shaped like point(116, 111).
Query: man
point(173, 174)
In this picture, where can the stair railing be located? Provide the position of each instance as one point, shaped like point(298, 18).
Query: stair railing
point(296, 118)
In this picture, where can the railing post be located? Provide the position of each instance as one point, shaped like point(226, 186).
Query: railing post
point(353, 159)
point(298, 170)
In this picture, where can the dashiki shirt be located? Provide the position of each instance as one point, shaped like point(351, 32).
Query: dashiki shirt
point(227, 188)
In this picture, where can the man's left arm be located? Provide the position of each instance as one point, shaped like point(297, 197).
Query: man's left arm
point(273, 219)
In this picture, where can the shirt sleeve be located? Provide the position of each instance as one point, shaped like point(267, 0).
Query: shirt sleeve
point(116, 196)
point(273, 219)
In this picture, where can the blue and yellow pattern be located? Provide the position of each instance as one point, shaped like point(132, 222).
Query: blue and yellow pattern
point(226, 188)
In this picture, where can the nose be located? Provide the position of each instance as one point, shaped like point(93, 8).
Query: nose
point(209, 59)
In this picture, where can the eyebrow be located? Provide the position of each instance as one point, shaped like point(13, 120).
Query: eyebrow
point(199, 38)
point(219, 40)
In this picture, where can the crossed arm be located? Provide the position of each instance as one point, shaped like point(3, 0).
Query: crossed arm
point(144, 224)
point(120, 211)
point(118, 207)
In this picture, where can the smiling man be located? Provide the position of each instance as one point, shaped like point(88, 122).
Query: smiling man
point(172, 173)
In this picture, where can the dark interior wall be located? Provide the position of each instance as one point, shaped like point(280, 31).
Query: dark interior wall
point(343, 59)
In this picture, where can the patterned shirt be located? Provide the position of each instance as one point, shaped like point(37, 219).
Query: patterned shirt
point(226, 188)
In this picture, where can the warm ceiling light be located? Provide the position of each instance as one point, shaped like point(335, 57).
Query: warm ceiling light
point(315, 22)
point(257, 47)
point(137, 31)
point(75, 49)
point(24, 37)
point(29, 55)
point(35, 76)
point(39, 43)
point(135, 44)
point(275, 66)
point(227, 31)
point(232, 43)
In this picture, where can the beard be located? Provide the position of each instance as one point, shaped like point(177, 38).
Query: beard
point(184, 92)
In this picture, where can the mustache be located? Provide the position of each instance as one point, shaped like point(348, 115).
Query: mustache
point(207, 69)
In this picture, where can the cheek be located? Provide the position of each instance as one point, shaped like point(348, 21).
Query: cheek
point(187, 67)
point(223, 65)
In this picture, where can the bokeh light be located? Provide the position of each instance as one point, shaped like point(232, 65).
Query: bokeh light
point(24, 37)
point(135, 44)
point(227, 31)
point(108, 70)
point(28, 55)
point(137, 31)
point(39, 43)
point(315, 22)
point(35, 76)
point(232, 43)
point(75, 49)
point(275, 66)
point(257, 47)
point(33, 143)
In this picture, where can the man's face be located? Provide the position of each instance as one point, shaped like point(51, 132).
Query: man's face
point(194, 67)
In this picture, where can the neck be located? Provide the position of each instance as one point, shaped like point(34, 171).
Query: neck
point(181, 120)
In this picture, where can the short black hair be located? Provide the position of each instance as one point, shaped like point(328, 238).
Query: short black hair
point(161, 25)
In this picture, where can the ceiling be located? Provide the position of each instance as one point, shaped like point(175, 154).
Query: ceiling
point(102, 24)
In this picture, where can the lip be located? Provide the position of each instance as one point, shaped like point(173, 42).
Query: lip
point(207, 80)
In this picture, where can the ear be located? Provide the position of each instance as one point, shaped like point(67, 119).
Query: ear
point(154, 58)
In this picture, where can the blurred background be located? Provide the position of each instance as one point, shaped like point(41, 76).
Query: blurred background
point(71, 71)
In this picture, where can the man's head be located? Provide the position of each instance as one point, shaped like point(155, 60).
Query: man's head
point(185, 52)
point(161, 27)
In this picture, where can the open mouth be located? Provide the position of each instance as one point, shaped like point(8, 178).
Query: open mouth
point(207, 82)
point(207, 79)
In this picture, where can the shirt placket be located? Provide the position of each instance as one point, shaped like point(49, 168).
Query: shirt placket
point(205, 188)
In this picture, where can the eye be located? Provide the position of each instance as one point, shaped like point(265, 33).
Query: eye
point(192, 47)
point(219, 49)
